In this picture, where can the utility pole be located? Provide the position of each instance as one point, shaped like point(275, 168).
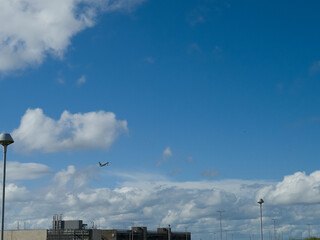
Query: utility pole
point(309, 229)
point(220, 213)
point(274, 228)
point(261, 229)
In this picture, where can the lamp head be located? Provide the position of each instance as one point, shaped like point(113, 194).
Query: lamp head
point(5, 139)
point(260, 201)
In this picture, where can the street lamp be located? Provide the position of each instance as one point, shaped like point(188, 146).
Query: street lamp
point(260, 203)
point(5, 140)
point(274, 229)
point(220, 213)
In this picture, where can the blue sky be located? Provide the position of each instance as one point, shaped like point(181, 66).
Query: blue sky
point(214, 100)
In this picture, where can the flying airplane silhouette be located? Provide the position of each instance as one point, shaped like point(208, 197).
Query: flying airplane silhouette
point(104, 164)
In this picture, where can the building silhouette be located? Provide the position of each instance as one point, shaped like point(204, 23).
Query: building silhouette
point(76, 230)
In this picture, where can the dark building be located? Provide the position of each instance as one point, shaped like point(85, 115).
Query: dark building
point(76, 230)
point(69, 230)
point(141, 233)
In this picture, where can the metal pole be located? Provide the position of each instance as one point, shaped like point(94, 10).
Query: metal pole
point(309, 229)
point(3, 188)
point(260, 203)
point(274, 228)
point(220, 212)
point(261, 221)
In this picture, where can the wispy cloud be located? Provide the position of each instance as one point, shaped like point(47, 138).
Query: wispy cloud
point(149, 59)
point(91, 130)
point(197, 16)
point(81, 80)
point(314, 68)
point(175, 171)
point(194, 48)
point(60, 80)
point(209, 173)
point(166, 154)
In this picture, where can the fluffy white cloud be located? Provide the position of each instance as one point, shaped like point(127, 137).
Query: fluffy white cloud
point(35, 28)
point(154, 201)
point(298, 188)
point(17, 194)
point(91, 130)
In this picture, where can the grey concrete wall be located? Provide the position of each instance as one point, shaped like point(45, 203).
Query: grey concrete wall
point(25, 234)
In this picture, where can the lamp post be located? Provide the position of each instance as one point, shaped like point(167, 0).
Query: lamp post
point(274, 229)
point(309, 230)
point(220, 214)
point(260, 203)
point(5, 140)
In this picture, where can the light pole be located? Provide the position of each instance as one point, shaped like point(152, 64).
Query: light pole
point(309, 230)
point(186, 228)
point(220, 213)
point(260, 203)
point(274, 229)
point(5, 140)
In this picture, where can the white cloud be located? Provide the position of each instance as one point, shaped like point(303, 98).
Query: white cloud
point(26, 171)
point(151, 200)
point(81, 80)
point(298, 188)
point(167, 152)
point(34, 29)
point(91, 130)
point(61, 80)
point(17, 194)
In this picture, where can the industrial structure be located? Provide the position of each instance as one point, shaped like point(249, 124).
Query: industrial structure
point(76, 230)
point(141, 233)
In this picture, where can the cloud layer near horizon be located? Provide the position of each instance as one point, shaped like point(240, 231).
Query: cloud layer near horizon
point(91, 130)
point(34, 29)
point(154, 201)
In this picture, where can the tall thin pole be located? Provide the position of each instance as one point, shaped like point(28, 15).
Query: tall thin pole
point(274, 229)
point(309, 229)
point(220, 213)
point(5, 140)
point(132, 231)
point(3, 188)
point(261, 229)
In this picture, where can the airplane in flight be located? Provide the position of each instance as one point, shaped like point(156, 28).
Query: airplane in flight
point(104, 164)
